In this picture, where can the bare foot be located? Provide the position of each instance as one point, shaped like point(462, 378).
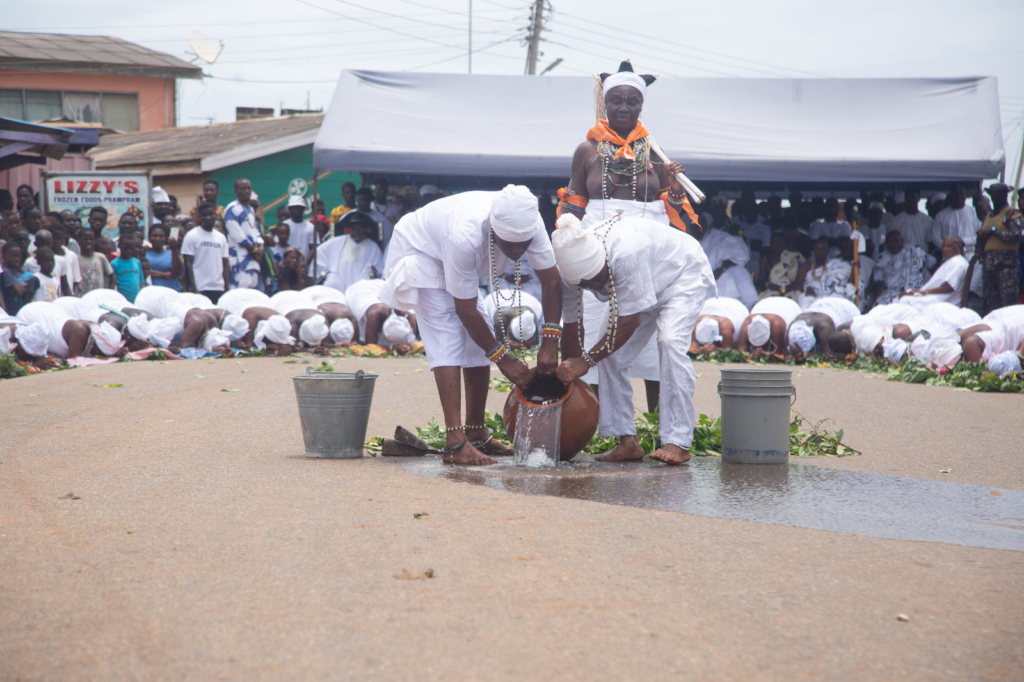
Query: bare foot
point(628, 450)
point(492, 447)
point(469, 456)
point(671, 454)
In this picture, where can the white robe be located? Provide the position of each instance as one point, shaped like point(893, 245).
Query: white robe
point(80, 309)
point(109, 297)
point(734, 282)
point(786, 308)
point(285, 302)
point(159, 301)
point(730, 308)
point(346, 261)
point(841, 310)
point(52, 319)
point(961, 222)
point(953, 271)
point(324, 294)
point(1007, 331)
point(237, 301)
point(362, 295)
point(661, 274)
point(916, 229)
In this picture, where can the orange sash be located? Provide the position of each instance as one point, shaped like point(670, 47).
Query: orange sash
point(602, 132)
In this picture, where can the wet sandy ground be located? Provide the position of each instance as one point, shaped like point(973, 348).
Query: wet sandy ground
point(204, 545)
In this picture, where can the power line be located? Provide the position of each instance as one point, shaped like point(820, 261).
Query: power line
point(459, 56)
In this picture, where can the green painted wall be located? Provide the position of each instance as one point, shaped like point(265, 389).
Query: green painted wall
point(270, 176)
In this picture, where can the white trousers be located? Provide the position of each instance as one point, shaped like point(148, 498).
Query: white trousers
point(674, 324)
point(445, 339)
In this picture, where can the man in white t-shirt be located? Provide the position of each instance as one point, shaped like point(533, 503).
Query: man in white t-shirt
point(914, 226)
point(831, 228)
point(957, 220)
point(300, 230)
point(205, 250)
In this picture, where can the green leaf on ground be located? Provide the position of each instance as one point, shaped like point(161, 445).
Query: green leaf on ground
point(291, 362)
point(245, 371)
point(199, 376)
point(945, 471)
point(107, 385)
point(230, 390)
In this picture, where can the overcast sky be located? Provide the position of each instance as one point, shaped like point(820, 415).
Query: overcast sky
point(281, 52)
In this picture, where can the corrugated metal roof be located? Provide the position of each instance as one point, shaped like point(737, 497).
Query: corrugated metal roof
point(88, 54)
point(174, 145)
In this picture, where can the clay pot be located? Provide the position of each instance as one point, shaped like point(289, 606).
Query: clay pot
point(580, 413)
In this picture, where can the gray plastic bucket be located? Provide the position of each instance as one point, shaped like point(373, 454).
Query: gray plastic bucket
point(334, 410)
point(755, 414)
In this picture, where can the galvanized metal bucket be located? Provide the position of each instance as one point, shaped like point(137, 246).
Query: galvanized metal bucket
point(334, 410)
point(755, 414)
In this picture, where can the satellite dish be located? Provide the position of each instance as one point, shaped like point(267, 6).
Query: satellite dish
point(203, 47)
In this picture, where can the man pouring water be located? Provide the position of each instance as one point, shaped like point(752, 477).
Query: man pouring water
point(436, 259)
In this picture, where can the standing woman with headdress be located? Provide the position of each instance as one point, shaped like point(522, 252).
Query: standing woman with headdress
point(614, 172)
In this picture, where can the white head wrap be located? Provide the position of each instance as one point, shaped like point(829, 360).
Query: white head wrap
point(276, 329)
point(894, 349)
point(235, 326)
point(160, 196)
point(759, 330)
point(162, 331)
point(708, 331)
point(578, 253)
point(342, 330)
point(802, 336)
point(514, 214)
point(5, 341)
point(624, 78)
point(138, 327)
point(870, 337)
point(429, 189)
point(107, 338)
point(397, 329)
point(314, 330)
point(944, 351)
point(296, 200)
point(33, 338)
point(1006, 362)
point(523, 326)
point(216, 337)
point(876, 204)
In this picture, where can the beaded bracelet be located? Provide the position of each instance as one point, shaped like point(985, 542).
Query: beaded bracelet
point(552, 330)
point(454, 428)
point(497, 353)
point(590, 360)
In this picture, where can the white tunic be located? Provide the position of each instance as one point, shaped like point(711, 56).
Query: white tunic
point(960, 222)
point(323, 294)
point(108, 297)
point(735, 282)
point(841, 310)
point(833, 230)
point(80, 309)
point(916, 229)
point(237, 301)
point(159, 301)
point(1007, 331)
point(52, 319)
point(730, 308)
point(951, 272)
point(786, 308)
point(285, 302)
point(347, 261)
point(947, 317)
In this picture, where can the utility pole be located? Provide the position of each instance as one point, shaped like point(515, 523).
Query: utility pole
point(471, 36)
point(535, 28)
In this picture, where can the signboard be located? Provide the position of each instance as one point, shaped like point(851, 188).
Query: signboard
point(119, 193)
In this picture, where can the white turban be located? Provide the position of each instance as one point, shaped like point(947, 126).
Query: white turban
point(398, 330)
point(894, 349)
point(870, 336)
point(160, 196)
point(216, 337)
point(5, 341)
point(33, 338)
point(276, 329)
point(523, 326)
point(342, 331)
point(759, 330)
point(624, 78)
point(314, 330)
point(1006, 362)
point(578, 253)
point(514, 214)
point(802, 336)
point(708, 331)
point(944, 351)
point(106, 338)
point(235, 326)
point(162, 331)
point(138, 327)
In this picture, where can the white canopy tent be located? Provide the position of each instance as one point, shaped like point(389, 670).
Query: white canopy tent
point(723, 130)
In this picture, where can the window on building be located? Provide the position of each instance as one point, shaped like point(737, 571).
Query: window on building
point(116, 110)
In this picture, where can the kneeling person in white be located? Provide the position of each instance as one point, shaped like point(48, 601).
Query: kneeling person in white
point(436, 259)
point(657, 279)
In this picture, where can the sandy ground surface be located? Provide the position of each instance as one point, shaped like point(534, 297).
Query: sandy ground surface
point(205, 546)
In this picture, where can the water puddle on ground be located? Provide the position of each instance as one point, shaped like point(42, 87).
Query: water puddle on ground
point(805, 496)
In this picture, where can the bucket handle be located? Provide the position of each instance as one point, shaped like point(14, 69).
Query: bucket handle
point(358, 375)
point(793, 401)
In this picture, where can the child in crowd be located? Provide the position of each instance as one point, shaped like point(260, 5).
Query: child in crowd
point(282, 231)
point(105, 248)
point(16, 286)
point(49, 286)
point(71, 275)
point(44, 240)
point(127, 268)
point(94, 267)
point(290, 275)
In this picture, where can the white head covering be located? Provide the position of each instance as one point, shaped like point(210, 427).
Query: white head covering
point(876, 204)
point(162, 331)
point(523, 326)
point(759, 330)
point(107, 338)
point(894, 349)
point(276, 329)
point(514, 214)
point(216, 337)
point(708, 331)
point(5, 341)
point(342, 330)
point(578, 253)
point(802, 336)
point(624, 78)
point(235, 326)
point(160, 196)
point(33, 338)
point(944, 351)
point(1006, 362)
point(397, 329)
point(314, 330)
point(429, 189)
point(138, 327)
point(296, 200)
point(870, 336)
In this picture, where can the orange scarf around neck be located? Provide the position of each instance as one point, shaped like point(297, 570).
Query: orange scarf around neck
point(602, 132)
